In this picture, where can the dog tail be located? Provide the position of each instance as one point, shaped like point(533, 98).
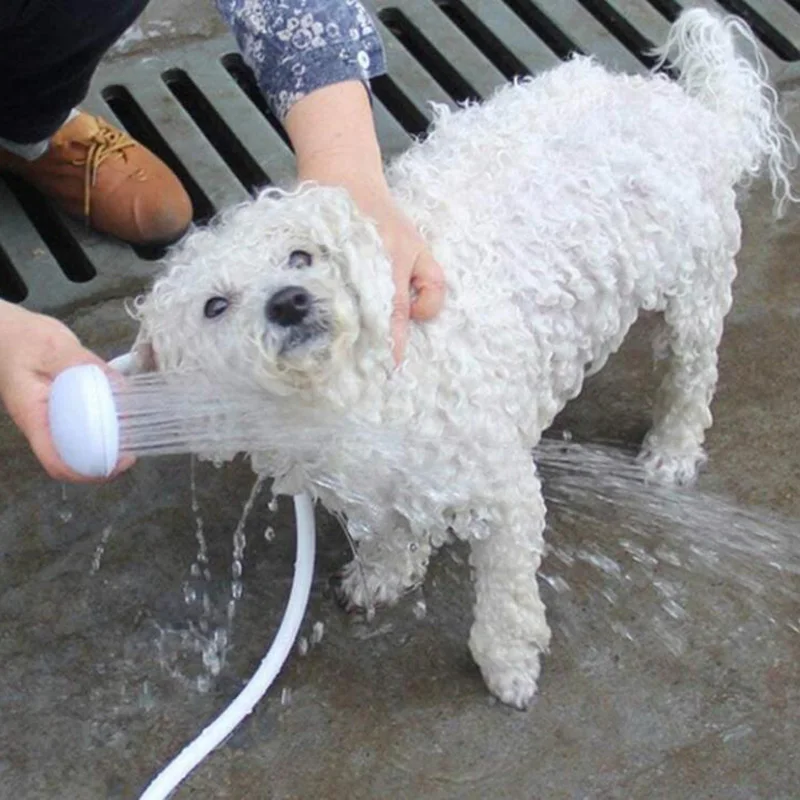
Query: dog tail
point(702, 49)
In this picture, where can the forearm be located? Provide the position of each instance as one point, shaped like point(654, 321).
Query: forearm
point(333, 134)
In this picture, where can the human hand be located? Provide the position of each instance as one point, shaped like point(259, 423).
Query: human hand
point(333, 135)
point(418, 278)
point(34, 349)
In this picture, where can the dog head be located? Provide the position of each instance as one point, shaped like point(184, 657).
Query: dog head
point(290, 293)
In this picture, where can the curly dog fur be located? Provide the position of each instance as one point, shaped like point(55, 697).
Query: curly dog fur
point(559, 209)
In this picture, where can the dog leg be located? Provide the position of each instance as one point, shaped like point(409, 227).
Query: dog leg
point(510, 630)
point(388, 564)
point(673, 449)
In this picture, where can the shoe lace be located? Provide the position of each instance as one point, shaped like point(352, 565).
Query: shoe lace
point(104, 143)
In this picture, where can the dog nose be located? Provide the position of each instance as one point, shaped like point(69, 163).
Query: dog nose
point(288, 306)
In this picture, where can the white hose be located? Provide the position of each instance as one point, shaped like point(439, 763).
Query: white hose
point(191, 755)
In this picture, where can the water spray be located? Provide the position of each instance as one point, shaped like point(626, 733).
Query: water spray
point(94, 418)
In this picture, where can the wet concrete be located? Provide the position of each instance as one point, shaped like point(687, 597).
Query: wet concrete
point(98, 687)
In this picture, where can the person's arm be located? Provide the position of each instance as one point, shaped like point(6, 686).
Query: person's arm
point(34, 349)
point(313, 65)
point(334, 138)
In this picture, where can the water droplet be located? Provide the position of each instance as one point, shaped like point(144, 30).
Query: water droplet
point(269, 534)
point(602, 562)
point(420, 609)
point(146, 700)
point(302, 646)
point(65, 515)
point(738, 732)
point(100, 550)
point(619, 628)
point(668, 556)
point(672, 641)
point(610, 595)
point(211, 660)
point(564, 556)
point(195, 570)
point(675, 610)
point(273, 504)
point(236, 570)
point(236, 590)
point(555, 581)
point(317, 632)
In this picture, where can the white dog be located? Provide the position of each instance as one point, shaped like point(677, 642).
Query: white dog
point(558, 210)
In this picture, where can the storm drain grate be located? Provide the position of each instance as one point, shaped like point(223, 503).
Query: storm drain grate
point(199, 108)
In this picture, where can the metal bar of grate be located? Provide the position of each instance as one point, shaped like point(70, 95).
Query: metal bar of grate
point(433, 38)
point(31, 272)
point(215, 129)
point(590, 34)
point(250, 127)
point(769, 21)
point(495, 30)
point(409, 77)
point(12, 287)
point(621, 26)
point(393, 136)
point(419, 47)
point(641, 15)
point(779, 14)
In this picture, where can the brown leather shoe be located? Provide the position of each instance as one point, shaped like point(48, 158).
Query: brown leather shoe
point(96, 172)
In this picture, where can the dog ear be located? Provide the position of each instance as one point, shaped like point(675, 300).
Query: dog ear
point(355, 243)
point(141, 357)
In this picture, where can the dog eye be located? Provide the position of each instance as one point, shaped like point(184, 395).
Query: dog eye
point(298, 259)
point(215, 306)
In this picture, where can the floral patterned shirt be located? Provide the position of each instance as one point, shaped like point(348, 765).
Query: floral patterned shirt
point(296, 46)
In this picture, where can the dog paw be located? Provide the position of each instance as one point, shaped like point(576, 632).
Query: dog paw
point(671, 469)
point(510, 668)
point(359, 587)
point(513, 676)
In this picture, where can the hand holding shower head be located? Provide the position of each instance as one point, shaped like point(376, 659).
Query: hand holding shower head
point(95, 418)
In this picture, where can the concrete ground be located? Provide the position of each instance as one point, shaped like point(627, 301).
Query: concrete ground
point(99, 685)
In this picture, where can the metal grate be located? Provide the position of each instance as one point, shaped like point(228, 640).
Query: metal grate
point(198, 107)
